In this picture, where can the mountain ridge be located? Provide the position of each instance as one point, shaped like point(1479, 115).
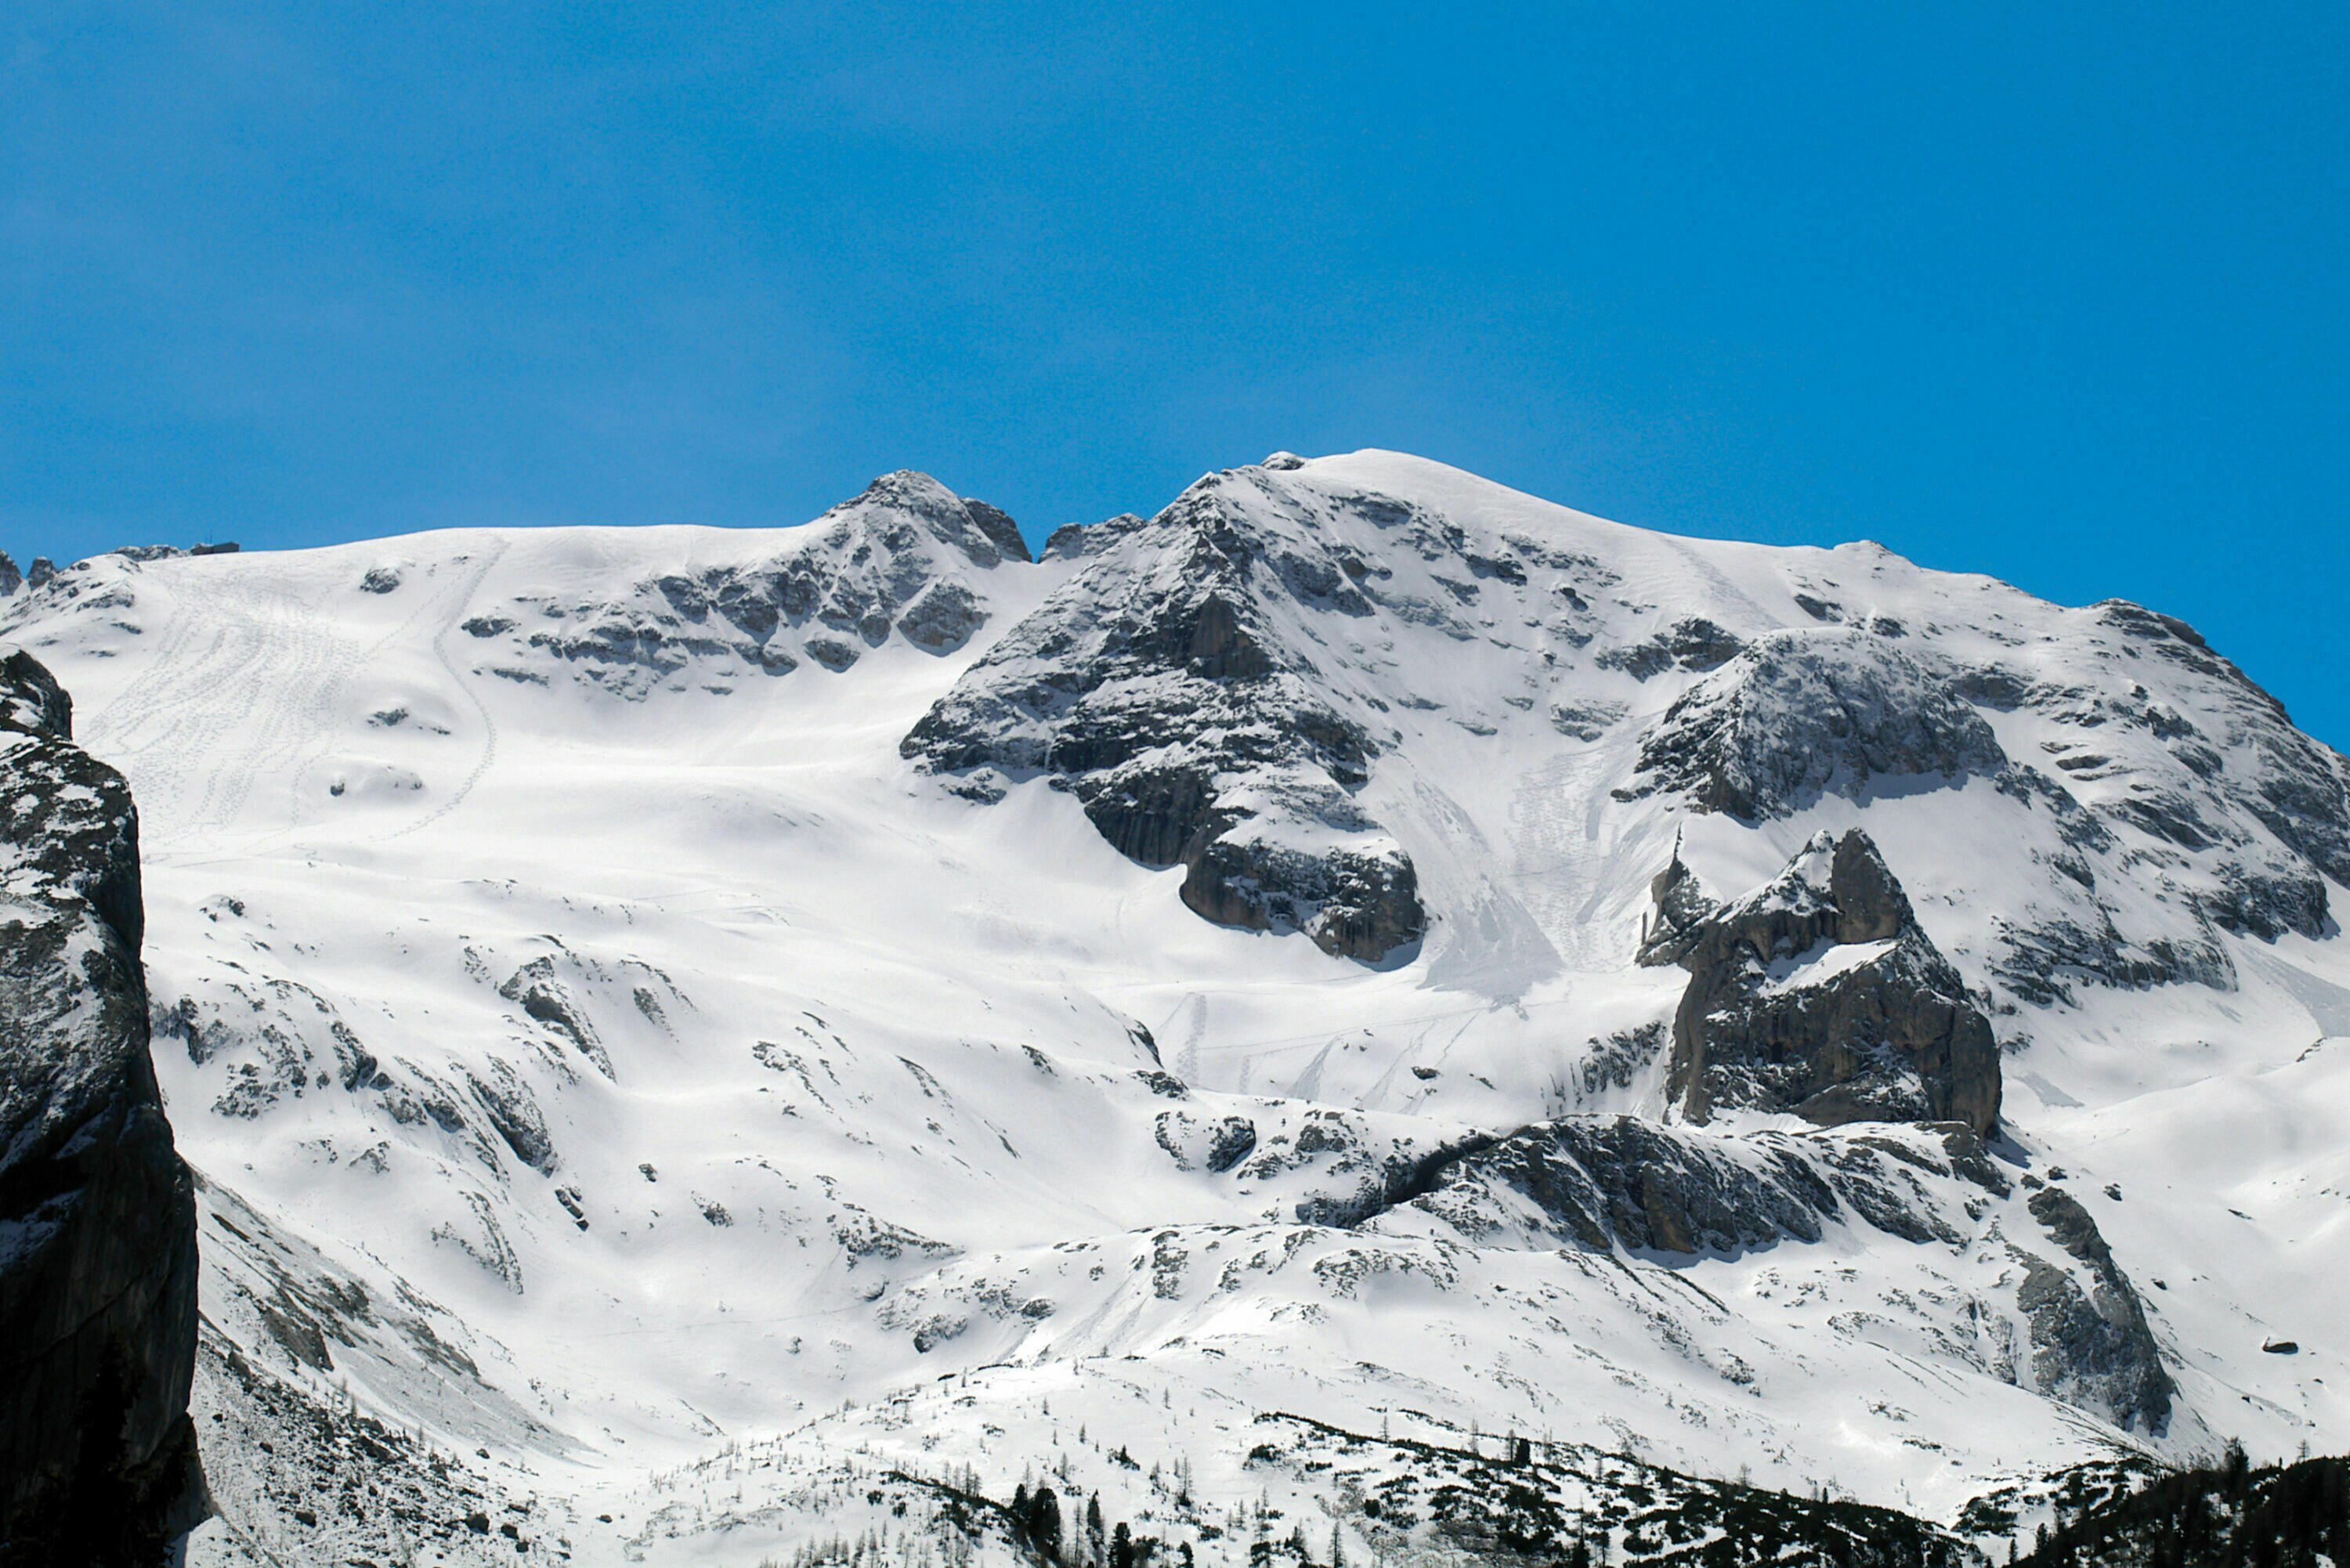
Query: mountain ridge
point(937, 1004)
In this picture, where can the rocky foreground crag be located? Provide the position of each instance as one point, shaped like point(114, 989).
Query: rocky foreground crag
point(98, 1242)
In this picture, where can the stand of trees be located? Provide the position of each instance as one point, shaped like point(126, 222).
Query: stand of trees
point(2228, 1515)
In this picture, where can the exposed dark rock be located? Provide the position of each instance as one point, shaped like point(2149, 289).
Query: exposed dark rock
point(1613, 1063)
point(1695, 644)
point(1153, 684)
point(832, 653)
point(41, 573)
point(1799, 715)
point(1606, 1182)
point(1585, 721)
point(2043, 961)
point(2091, 1347)
point(11, 580)
point(225, 547)
point(1600, 1182)
point(380, 580)
point(893, 558)
point(998, 528)
point(1196, 1143)
point(2295, 787)
point(1383, 1178)
point(514, 1115)
point(1820, 994)
point(1681, 913)
point(1618, 1180)
point(541, 992)
point(99, 1268)
point(941, 618)
point(31, 701)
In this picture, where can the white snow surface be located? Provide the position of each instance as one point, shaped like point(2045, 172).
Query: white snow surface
point(839, 1147)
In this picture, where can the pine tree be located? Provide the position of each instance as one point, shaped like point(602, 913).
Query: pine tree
point(1045, 1520)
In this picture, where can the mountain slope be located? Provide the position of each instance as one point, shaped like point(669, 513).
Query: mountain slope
point(663, 1042)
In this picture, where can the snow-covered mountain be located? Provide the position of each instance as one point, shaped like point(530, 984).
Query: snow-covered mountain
point(695, 1042)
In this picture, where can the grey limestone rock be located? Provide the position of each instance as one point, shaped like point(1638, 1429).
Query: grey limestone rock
point(97, 1242)
point(941, 618)
point(1819, 993)
point(1806, 713)
point(1694, 643)
point(2093, 1345)
point(1192, 732)
point(1603, 1182)
point(897, 556)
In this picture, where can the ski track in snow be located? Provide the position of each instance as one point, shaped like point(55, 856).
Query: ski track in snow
point(448, 620)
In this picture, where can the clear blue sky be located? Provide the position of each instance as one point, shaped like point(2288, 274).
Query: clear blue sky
point(2060, 293)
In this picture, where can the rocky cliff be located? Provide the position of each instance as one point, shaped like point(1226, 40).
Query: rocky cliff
point(98, 1239)
point(1819, 993)
point(1165, 684)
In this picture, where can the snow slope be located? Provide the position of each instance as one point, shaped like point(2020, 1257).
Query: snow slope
point(633, 1074)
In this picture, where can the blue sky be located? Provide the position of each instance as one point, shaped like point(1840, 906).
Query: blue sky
point(2059, 293)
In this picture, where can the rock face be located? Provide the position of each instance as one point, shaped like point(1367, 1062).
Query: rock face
point(897, 559)
point(2066, 1320)
point(97, 1242)
point(1600, 1182)
point(2090, 1346)
point(1156, 685)
point(1819, 993)
point(1803, 712)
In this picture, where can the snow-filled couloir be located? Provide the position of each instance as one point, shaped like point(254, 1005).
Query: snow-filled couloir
point(696, 1041)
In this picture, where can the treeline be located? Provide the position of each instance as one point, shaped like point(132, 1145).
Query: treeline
point(2228, 1515)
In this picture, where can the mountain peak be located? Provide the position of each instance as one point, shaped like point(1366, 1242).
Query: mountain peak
point(981, 531)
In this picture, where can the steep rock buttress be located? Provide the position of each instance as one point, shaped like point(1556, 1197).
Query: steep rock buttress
point(98, 1226)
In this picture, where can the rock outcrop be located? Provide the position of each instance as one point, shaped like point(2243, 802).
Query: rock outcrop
point(899, 557)
point(98, 1240)
point(1600, 1182)
point(2066, 1320)
point(1801, 713)
point(2091, 1345)
point(1819, 993)
point(1158, 686)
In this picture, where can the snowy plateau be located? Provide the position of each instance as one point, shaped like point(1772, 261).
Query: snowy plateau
point(1366, 1011)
